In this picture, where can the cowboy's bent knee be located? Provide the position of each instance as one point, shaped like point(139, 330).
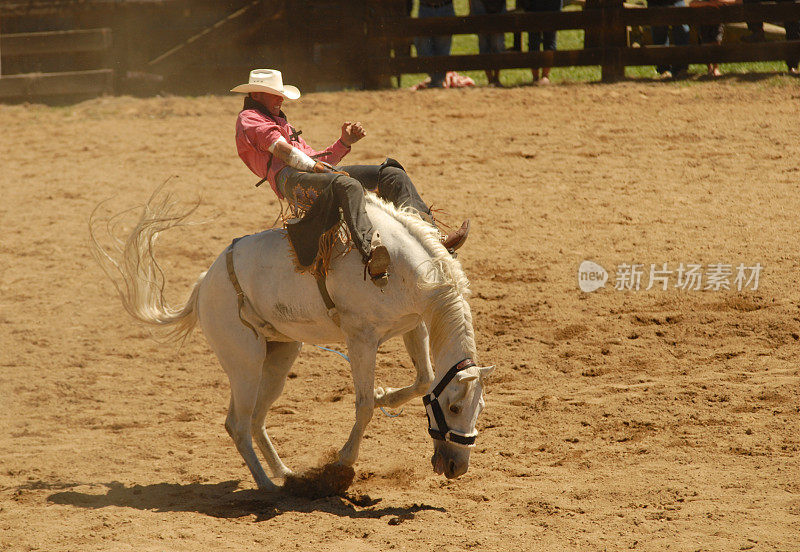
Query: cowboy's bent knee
point(394, 177)
point(347, 186)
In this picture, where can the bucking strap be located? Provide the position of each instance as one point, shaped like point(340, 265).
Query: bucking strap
point(240, 296)
point(330, 306)
point(323, 291)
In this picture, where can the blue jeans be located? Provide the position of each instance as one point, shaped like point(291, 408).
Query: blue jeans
point(435, 45)
point(544, 40)
point(490, 43)
point(677, 35)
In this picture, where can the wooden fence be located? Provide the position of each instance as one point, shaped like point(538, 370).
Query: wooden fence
point(25, 55)
point(606, 22)
point(206, 46)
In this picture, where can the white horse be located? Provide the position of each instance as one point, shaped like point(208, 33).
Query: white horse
point(257, 333)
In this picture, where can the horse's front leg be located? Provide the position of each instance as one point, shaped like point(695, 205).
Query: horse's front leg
point(362, 365)
point(418, 347)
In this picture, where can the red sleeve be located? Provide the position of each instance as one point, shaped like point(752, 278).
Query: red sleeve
point(259, 132)
point(336, 152)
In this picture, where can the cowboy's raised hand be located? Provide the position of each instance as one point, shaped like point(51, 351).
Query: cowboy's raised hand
point(352, 133)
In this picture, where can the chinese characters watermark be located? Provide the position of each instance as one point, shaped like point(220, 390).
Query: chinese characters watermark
point(684, 276)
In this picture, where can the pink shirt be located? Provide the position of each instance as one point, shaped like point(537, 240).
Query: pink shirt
point(255, 133)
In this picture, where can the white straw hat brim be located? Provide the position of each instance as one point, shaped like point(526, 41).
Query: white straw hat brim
point(289, 92)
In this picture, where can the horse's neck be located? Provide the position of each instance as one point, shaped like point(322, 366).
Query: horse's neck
point(447, 313)
point(450, 326)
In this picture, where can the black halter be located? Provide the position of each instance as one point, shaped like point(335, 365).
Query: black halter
point(435, 414)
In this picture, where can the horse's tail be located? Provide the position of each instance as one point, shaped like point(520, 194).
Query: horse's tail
point(135, 272)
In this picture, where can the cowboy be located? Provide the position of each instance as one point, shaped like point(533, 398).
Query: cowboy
point(276, 152)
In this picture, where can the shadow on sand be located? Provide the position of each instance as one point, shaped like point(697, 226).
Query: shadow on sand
point(224, 500)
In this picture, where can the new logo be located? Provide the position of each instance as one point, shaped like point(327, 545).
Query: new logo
point(591, 276)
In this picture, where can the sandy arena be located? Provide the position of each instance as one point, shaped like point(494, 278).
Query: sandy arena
point(616, 420)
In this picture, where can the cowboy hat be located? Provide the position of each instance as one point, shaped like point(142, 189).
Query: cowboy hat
point(270, 81)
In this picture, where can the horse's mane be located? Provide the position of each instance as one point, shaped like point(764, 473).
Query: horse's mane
point(443, 269)
point(444, 277)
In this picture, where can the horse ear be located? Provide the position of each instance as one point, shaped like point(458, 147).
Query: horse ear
point(466, 377)
point(485, 371)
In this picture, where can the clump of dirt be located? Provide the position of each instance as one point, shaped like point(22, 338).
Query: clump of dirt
point(400, 476)
point(739, 303)
point(569, 332)
point(362, 500)
point(329, 479)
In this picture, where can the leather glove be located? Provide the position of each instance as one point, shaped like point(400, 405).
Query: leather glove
point(322, 167)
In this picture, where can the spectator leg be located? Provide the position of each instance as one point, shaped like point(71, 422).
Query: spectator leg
point(424, 46)
point(792, 33)
point(661, 38)
point(680, 37)
point(441, 47)
point(756, 28)
point(534, 45)
point(436, 45)
point(549, 43)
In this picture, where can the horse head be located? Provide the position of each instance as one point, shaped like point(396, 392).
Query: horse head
point(453, 406)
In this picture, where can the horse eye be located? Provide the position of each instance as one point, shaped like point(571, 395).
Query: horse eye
point(455, 409)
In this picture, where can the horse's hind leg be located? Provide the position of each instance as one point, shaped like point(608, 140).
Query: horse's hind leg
point(241, 355)
point(280, 357)
point(244, 395)
point(417, 345)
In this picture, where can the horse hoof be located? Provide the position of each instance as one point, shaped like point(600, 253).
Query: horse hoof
point(267, 486)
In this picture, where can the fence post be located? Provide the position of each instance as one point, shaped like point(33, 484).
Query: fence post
point(613, 38)
point(591, 36)
point(376, 12)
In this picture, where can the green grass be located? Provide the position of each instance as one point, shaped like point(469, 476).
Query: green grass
point(573, 40)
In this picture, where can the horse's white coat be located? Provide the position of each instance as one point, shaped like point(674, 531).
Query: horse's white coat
point(427, 289)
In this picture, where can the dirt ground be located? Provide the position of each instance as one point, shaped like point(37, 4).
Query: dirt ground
point(616, 420)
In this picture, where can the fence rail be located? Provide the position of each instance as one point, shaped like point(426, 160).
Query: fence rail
point(391, 28)
point(330, 44)
point(607, 23)
point(32, 85)
point(49, 42)
point(34, 82)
